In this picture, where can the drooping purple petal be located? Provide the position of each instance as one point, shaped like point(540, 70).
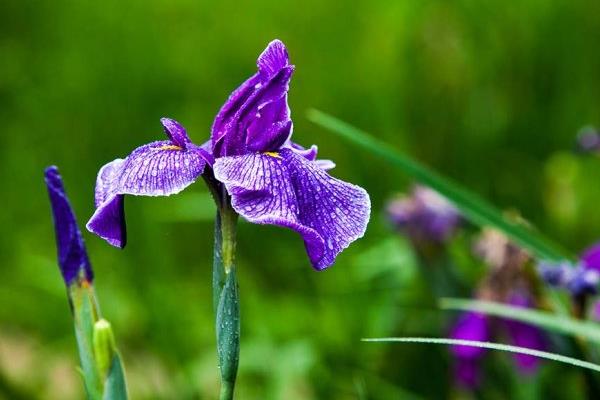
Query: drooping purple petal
point(525, 335)
point(470, 326)
point(160, 168)
point(72, 256)
point(256, 116)
point(285, 189)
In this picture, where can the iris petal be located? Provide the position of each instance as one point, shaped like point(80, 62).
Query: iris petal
point(160, 168)
point(256, 116)
point(285, 189)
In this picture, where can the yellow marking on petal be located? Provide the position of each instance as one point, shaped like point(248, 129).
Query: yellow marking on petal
point(273, 154)
point(169, 147)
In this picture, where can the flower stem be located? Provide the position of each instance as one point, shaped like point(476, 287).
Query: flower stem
point(225, 298)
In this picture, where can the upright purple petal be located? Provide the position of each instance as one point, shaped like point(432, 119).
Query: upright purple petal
point(525, 335)
point(285, 189)
point(272, 59)
point(175, 132)
point(72, 256)
point(256, 116)
point(160, 168)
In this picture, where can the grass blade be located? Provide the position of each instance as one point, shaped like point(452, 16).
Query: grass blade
point(492, 346)
point(474, 208)
point(561, 324)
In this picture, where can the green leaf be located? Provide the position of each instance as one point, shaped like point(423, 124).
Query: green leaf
point(557, 323)
point(493, 346)
point(114, 386)
point(474, 208)
point(85, 314)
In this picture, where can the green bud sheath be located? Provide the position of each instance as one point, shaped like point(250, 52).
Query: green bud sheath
point(104, 346)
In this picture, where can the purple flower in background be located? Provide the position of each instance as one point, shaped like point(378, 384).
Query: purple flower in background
point(580, 279)
point(425, 215)
point(524, 335)
point(479, 327)
point(72, 256)
point(470, 326)
point(270, 179)
point(159, 168)
point(588, 140)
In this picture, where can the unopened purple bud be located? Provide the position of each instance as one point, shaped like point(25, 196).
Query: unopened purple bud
point(72, 256)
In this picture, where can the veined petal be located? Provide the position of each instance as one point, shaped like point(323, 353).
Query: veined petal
point(287, 190)
point(160, 168)
point(273, 59)
point(72, 256)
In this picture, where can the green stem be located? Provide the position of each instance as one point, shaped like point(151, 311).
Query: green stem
point(225, 297)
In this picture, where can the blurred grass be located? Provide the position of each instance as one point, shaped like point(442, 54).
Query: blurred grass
point(490, 93)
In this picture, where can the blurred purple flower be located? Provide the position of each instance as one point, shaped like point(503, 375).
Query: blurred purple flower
point(72, 256)
point(424, 215)
point(270, 179)
point(580, 279)
point(479, 327)
point(525, 335)
point(588, 140)
point(470, 326)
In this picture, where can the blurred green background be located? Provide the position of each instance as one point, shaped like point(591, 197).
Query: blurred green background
point(490, 93)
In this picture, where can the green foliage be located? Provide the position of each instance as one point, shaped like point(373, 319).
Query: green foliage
point(489, 93)
point(493, 346)
point(471, 206)
point(589, 330)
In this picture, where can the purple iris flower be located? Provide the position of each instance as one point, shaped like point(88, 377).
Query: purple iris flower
point(425, 215)
point(270, 179)
point(480, 327)
point(580, 279)
point(72, 256)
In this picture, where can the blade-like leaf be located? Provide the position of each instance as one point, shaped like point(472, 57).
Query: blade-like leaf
point(85, 313)
point(493, 346)
point(114, 386)
point(471, 206)
point(561, 324)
